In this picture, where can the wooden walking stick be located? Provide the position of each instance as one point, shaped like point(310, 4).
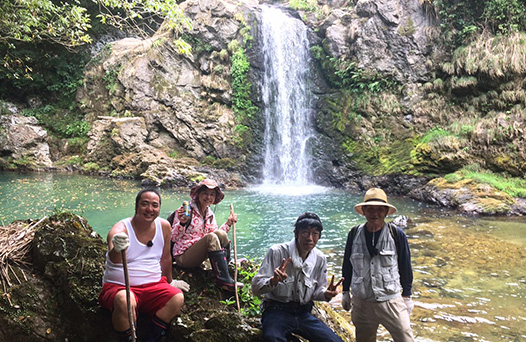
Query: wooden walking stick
point(128, 293)
point(235, 258)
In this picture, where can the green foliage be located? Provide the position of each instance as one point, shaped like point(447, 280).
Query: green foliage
point(345, 74)
point(44, 20)
point(198, 46)
point(461, 21)
point(243, 135)
point(249, 303)
point(39, 46)
point(74, 161)
point(138, 15)
point(111, 78)
point(506, 16)
point(241, 87)
point(24, 162)
point(453, 178)
point(304, 5)
point(434, 134)
point(90, 167)
point(243, 107)
point(3, 108)
point(50, 71)
point(60, 122)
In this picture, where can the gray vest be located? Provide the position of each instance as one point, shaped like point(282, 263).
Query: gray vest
point(375, 278)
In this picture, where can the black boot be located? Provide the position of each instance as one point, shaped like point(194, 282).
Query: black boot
point(124, 336)
point(220, 267)
point(157, 330)
point(227, 253)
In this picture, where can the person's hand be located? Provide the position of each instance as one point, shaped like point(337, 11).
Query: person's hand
point(231, 219)
point(181, 216)
point(181, 284)
point(280, 273)
point(409, 303)
point(120, 241)
point(346, 301)
point(332, 289)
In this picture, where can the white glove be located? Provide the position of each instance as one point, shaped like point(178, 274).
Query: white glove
point(346, 300)
point(120, 241)
point(181, 284)
point(409, 303)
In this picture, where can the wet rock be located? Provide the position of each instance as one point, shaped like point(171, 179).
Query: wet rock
point(402, 221)
point(469, 197)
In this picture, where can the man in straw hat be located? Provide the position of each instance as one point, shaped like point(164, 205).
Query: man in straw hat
point(377, 268)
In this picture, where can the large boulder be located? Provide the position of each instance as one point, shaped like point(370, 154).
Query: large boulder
point(469, 197)
point(23, 140)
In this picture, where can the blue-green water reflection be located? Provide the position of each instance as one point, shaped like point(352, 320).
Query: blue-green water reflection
point(469, 283)
point(263, 218)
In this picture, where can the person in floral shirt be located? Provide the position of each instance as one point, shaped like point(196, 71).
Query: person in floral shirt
point(197, 236)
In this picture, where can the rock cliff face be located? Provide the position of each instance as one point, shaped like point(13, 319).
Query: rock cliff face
point(390, 37)
point(169, 103)
point(184, 101)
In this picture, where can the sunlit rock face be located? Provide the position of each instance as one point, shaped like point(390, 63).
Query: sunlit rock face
point(176, 104)
point(21, 138)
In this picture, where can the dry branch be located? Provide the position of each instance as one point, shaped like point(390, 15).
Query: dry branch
point(15, 243)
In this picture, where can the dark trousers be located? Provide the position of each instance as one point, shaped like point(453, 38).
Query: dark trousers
point(281, 319)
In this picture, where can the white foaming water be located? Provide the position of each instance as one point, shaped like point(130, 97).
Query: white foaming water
point(289, 189)
point(287, 98)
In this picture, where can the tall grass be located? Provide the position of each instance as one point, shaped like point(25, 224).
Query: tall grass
point(515, 187)
point(493, 56)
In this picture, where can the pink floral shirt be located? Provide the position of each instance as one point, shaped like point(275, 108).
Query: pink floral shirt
point(184, 237)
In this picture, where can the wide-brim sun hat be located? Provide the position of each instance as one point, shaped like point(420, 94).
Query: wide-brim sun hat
point(210, 184)
point(375, 196)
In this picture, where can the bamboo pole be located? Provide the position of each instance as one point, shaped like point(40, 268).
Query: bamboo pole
point(128, 293)
point(235, 258)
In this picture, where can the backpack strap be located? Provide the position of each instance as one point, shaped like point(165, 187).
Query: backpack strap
point(352, 235)
point(395, 235)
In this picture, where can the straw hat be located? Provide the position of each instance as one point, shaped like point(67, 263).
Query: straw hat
point(375, 196)
point(210, 184)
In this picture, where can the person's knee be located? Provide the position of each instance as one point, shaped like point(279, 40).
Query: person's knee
point(222, 236)
point(213, 242)
point(120, 303)
point(175, 304)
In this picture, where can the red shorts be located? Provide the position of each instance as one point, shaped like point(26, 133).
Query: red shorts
point(149, 297)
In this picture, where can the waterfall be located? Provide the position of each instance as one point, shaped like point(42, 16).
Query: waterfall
point(287, 100)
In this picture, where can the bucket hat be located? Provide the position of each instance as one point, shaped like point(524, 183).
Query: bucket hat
point(210, 184)
point(375, 196)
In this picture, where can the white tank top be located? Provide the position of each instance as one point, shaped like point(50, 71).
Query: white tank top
point(144, 263)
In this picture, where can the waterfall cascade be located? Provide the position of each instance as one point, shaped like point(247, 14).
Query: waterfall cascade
point(287, 101)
